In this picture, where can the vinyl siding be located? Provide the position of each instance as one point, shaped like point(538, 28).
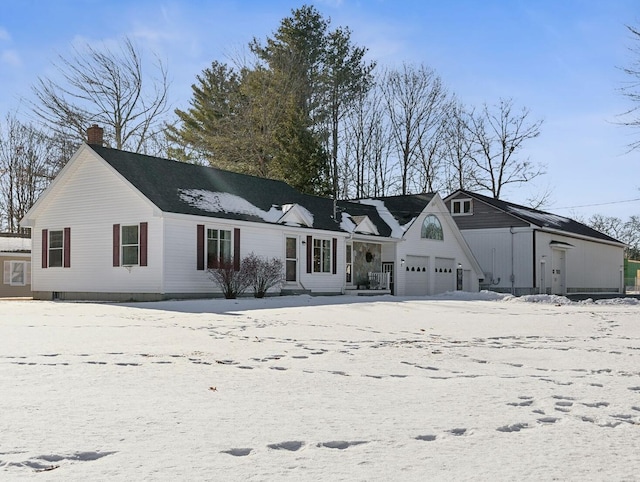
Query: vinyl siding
point(502, 253)
point(484, 216)
point(79, 204)
point(180, 238)
point(591, 267)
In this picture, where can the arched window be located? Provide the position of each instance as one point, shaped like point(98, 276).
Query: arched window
point(431, 228)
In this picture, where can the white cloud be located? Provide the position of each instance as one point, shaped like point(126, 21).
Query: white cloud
point(11, 57)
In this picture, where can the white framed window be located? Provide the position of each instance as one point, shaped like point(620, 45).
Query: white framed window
point(16, 273)
point(321, 255)
point(461, 207)
point(130, 246)
point(219, 247)
point(56, 248)
point(431, 228)
point(349, 266)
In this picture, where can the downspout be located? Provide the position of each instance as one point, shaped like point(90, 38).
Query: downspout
point(535, 267)
point(512, 277)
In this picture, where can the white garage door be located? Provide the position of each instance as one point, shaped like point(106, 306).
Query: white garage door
point(445, 275)
point(417, 275)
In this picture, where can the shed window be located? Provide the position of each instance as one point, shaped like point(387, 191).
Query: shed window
point(431, 228)
point(16, 273)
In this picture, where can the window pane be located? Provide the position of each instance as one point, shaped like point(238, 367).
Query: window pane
point(55, 239)
point(129, 255)
point(467, 206)
point(317, 255)
point(212, 252)
point(225, 249)
point(129, 235)
point(456, 207)
point(291, 270)
point(55, 258)
point(17, 273)
point(291, 248)
point(431, 228)
point(348, 253)
point(326, 256)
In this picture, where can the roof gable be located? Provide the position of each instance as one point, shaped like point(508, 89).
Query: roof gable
point(539, 218)
point(296, 215)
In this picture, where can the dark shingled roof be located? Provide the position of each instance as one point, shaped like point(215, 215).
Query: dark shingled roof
point(162, 180)
point(405, 208)
point(542, 219)
point(357, 211)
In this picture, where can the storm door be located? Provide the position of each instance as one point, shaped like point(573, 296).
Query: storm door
point(291, 260)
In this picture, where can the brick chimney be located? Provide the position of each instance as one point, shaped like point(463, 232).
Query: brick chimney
point(95, 135)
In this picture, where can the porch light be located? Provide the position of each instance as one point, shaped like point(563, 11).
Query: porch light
point(402, 262)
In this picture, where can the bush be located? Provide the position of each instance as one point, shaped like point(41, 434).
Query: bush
point(263, 273)
point(231, 282)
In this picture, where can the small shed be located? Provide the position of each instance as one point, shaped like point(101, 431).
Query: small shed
point(15, 258)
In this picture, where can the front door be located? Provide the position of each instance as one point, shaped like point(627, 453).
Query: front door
point(291, 260)
point(558, 275)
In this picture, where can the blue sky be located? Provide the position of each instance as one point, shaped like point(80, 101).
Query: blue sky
point(559, 58)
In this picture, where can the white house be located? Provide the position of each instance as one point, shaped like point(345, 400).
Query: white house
point(527, 251)
point(115, 225)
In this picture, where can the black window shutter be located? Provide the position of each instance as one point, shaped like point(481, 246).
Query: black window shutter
point(309, 253)
point(144, 238)
point(200, 247)
point(334, 257)
point(236, 249)
point(45, 248)
point(67, 248)
point(116, 245)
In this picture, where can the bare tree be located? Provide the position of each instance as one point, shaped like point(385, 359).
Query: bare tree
point(367, 170)
point(627, 232)
point(415, 99)
point(631, 88)
point(27, 164)
point(456, 150)
point(498, 134)
point(104, 87)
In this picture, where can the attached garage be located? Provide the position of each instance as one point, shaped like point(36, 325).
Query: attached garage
point(417, 275)
point(444, 275)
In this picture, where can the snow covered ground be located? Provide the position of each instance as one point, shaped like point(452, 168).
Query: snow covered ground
point(462, 387)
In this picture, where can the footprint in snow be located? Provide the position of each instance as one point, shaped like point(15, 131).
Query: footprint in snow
point(242, 452)
point(548, 420)
point(516, 427)
point(291, 446)
point(341, 444)
point(426, 438)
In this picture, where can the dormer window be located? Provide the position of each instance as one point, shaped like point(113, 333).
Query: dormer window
point(461, 207)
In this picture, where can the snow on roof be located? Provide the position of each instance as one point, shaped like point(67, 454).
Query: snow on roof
point(222, 202)
point(347, 224)
point(293, 212)
point(397, 230)
point(14, 244)
point(546, 219)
